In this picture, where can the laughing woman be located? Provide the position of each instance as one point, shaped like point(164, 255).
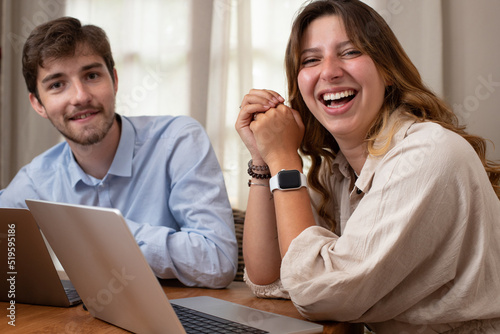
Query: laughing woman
point(398, 223)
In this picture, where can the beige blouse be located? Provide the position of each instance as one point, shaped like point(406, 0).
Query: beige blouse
point(416, 250)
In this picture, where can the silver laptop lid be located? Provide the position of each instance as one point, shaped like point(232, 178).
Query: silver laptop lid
point(27, 273)
point(105, 264)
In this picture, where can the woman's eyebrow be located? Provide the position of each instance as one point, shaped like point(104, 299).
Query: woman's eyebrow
point(339, 46)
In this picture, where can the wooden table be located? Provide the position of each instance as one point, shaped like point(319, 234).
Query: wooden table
point(75, 320)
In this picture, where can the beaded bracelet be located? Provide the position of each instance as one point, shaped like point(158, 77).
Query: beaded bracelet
point(252, 168)
point(257, 168)
point(258, 176)
point(250, 183)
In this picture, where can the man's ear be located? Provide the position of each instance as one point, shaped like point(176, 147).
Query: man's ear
point(115, 74)
point(37, 105)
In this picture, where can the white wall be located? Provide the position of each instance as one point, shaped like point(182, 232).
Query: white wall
point(472, 65)
point(455, 44)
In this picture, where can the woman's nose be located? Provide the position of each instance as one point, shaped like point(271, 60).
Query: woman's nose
point(331, 69)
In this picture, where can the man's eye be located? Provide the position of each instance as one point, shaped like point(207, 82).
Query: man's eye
point(93, 76)
point(55, 85)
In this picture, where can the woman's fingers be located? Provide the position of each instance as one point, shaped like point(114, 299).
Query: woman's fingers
point(256, 102)
point(277, 133)
point(262, 97)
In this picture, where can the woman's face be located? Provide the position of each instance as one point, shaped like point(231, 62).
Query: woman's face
point(340, 85)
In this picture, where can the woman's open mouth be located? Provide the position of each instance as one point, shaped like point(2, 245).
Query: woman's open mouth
point(338, 99)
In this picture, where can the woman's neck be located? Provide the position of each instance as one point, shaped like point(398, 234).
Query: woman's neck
point(355, 154)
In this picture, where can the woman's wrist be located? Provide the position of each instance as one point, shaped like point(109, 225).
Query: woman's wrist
point(287, 164)
point(258, 161)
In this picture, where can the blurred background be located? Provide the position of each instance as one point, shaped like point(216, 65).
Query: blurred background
point(200, 57)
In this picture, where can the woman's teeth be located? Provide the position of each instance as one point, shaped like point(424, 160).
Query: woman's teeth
point(331, 98)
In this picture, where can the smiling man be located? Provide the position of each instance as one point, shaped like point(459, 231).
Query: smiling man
point(160, 172)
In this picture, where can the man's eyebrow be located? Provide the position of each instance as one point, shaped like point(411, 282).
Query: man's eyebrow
point(83, 69)
point(51, 77)
point(91, 66)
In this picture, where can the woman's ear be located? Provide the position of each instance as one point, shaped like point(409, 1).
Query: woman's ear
point(37, 105)
point(388, 80)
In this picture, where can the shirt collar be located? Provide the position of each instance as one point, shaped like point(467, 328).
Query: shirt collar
point(340, 166)
point(365, 179)
point(75, 172)
point(122, 162)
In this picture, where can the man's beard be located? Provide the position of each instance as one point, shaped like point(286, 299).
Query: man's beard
point(87, 137)
point(91, 137)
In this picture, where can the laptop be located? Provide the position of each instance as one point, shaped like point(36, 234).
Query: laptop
point(28, 274)
point(117, 285)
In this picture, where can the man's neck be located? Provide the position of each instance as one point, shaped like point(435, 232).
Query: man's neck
point(96, 159)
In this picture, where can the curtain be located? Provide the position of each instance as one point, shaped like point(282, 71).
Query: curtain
point(22, 132)
point(247, 52)
point(200, 57)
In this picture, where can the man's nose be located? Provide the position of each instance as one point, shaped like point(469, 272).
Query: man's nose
point(81, 94)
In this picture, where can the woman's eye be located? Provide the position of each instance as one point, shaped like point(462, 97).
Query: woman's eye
point(309, 61)
point(351, 53)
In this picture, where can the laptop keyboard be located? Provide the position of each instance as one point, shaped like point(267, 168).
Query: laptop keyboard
point(72, 294)
point(195, 322)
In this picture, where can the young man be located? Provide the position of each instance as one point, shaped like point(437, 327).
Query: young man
point(160, 172)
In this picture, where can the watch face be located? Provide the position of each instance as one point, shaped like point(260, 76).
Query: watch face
point(289, 179)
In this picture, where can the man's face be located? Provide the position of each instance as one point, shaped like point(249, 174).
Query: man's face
point(77, 95)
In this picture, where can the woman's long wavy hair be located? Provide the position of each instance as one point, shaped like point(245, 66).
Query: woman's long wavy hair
point(368, 31)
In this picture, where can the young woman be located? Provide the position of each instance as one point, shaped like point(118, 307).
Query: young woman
point(398, 223)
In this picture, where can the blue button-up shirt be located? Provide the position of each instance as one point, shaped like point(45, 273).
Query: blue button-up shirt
point(166, 181)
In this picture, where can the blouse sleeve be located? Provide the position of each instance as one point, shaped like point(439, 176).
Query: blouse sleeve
point(400, 248)
point(273, 290)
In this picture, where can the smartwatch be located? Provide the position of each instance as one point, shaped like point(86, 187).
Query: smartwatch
point(288, 180)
